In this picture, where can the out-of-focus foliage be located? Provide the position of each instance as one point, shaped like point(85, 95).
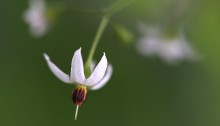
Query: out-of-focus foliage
point(123, 34)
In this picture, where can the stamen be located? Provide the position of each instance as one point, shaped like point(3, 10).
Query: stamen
point(76, 113)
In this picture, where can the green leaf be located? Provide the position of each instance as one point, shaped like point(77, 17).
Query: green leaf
point(123, 34)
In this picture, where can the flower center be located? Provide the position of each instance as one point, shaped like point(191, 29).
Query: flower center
point(79, 95)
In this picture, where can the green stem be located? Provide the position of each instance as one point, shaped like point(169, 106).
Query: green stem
point(105, 19)
point(102, 26)
point(119, 6)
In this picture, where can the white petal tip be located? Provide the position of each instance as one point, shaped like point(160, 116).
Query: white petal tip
point(46, 56)
point(56, 71)
point(77, 69)
point(78, 50)
point(98, 72)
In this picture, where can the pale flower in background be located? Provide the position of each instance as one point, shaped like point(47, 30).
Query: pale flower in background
point(174, 50)
point(35, 17)
point(149, 41)
point(153, 42)
point(148, 46)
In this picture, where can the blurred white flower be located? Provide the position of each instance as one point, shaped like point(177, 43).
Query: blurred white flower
point(148, 46)
point(35, 16)
point(98, 78)
point(175, 50)
point(153, 42)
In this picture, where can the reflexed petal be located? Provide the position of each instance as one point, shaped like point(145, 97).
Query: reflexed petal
point(105, 79)
point(98, 72)
point(77, 69)
point(56, 71)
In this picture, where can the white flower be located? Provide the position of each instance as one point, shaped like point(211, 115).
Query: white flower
point(35, 16)
point(176, 49)
point(148, 46)
point(98, 78)
point(153, 42)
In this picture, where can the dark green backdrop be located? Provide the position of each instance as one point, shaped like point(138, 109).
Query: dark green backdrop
point(142, 92)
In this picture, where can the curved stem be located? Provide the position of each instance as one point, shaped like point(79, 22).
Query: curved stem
point(98, 35)
point(118, 6)
point(105, 19)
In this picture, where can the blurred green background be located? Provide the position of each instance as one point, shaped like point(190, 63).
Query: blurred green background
point(142, 91)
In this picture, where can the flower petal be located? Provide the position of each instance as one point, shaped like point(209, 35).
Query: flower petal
point(92, 65)
point(56, 71)
point(105, 79)
point(98, 72)
point(77, 69)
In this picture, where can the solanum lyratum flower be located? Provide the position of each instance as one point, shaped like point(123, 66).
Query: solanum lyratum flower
point(98, 78)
